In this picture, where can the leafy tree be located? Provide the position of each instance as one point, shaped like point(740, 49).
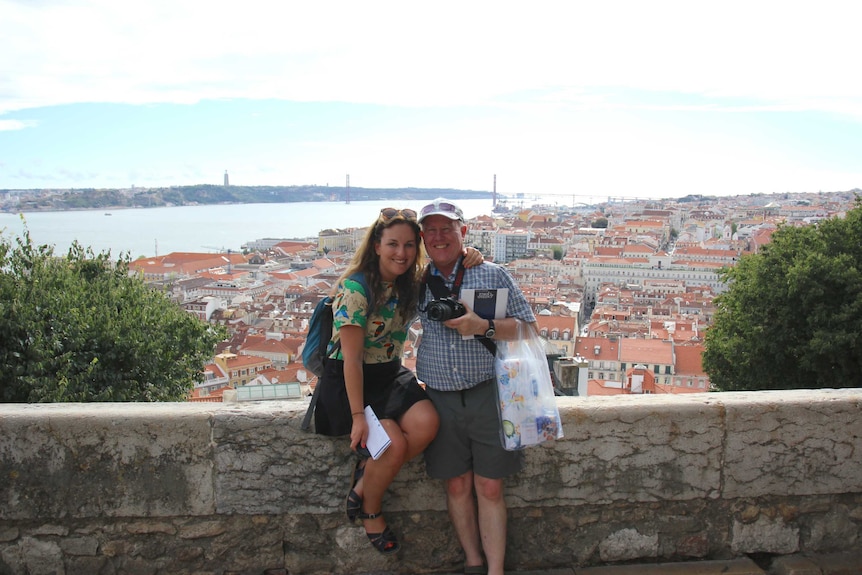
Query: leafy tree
point(79, 328)
point(600, 223)
point(792, 317)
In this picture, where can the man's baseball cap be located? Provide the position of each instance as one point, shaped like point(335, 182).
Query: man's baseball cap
point(441, 207)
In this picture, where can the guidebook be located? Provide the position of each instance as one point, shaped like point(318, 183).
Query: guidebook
point(378, 439)
point(487, 303)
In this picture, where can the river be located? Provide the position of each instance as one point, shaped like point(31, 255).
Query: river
point(159, 231)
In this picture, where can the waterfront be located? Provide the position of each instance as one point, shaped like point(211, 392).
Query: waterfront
point(159, 231)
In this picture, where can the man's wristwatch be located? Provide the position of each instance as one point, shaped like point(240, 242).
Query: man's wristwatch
point(489, 333)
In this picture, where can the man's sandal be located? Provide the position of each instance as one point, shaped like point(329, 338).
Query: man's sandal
point(354, 501)
point(385, 542)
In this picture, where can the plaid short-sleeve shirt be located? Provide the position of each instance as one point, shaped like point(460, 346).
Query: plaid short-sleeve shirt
point(445, 361)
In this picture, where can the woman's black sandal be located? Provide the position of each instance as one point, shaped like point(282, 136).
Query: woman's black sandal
point(354, 501)
point(385, 542)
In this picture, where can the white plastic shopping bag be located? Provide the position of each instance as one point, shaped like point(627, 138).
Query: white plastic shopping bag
point(528, 406)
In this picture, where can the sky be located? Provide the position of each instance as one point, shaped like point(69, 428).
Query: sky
point(578, 98)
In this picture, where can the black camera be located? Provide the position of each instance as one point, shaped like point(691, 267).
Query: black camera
point(444, 308)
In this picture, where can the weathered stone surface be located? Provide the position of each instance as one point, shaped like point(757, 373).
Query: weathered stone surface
point(84, 460)
point(79, 545)
point(41, 557)
point(742, 566)
point(824, 529)
point(624, 448)
point(794, 565)
point(792, 442)
point(765, 536)
point(88, 566)
point(628, 544)
point(189, 489)
point(265, 464)
point(8, 533)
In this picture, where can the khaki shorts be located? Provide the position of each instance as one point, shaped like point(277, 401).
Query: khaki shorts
point(469, 436)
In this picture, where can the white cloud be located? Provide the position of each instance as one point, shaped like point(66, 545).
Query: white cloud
point(10, 125)
point(777, 53)
point(578, 96)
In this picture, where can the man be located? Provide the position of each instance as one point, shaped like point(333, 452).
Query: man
point(459, 376)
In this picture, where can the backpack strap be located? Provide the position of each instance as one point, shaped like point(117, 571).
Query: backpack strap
point(309, 413)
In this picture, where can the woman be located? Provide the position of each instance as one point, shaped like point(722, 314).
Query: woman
point(367, 370)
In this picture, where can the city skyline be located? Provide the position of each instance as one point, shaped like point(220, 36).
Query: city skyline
point(659, 100)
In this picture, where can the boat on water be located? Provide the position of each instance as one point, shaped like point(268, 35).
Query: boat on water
point(501, 208)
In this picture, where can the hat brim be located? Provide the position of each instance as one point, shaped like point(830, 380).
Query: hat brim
point(449, 215)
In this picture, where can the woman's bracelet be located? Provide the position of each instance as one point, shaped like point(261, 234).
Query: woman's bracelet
point(358, 413)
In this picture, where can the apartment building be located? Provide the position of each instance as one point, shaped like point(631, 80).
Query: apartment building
point(510, 246)
point(241, 369)
point(634, 273)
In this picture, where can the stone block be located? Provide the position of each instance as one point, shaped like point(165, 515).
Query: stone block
point(793, 442)
point(628, 544)
point(765, 535)
point(98, 459)
point(264, 463)
point(626, 448)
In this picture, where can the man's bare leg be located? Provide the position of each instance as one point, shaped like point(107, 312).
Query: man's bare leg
point(492, 522)
point(462, 513)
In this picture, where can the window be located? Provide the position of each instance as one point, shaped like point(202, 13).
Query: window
point(656, 369)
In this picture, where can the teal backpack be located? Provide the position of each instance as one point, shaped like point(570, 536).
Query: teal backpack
point(315, 353)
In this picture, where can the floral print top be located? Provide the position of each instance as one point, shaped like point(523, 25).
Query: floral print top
point(385, 331)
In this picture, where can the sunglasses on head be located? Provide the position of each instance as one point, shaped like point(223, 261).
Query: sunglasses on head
point(441, 207)
point(389, 214)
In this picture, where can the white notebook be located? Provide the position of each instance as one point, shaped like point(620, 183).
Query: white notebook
point(378, 439)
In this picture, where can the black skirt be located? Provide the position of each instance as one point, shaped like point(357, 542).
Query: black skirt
point(389, 388)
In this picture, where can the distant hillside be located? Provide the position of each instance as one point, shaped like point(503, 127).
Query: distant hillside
point(34, 200)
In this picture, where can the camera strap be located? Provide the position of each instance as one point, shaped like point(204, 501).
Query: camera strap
point(438, 288)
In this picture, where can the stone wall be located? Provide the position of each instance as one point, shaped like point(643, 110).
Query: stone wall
point(210, 488)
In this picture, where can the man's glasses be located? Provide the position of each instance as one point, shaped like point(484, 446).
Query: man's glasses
point(389, 214)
